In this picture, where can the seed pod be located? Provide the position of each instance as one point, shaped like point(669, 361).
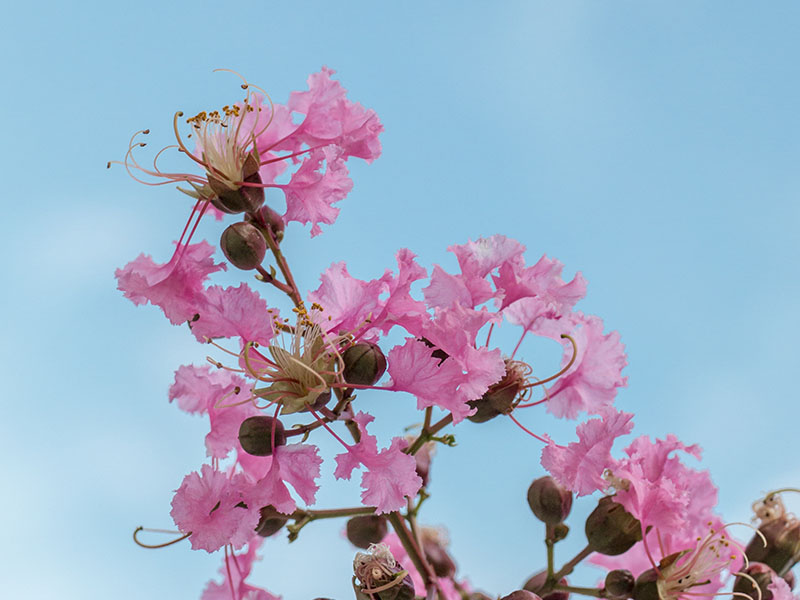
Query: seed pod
point(549, 501)
point(763, 576)
point(620, 583)
point(243, 245)
point(255, 435)
point(365, 530)
point(610, 529)
point(364, 364)
point(536, 583)
point(646, 587)
point(271, 521)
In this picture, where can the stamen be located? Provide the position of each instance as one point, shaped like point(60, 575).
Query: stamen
point(526, 430)
point(565, 369)
point(153, 546)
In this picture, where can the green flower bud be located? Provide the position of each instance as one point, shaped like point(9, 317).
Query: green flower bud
point(271, 521)
point(549, 501)
point(233, 199)
point(763, 576)
point(255, 435)
point(612, 530)
point(620, 583)
point(243, 245)
point(536, 583)
point(646, 587)
point(364, 364)
point(365, 530)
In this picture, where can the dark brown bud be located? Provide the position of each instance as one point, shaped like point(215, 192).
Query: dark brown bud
point(365, 530)
point(233, 199)
point(646, 587)
point(499, 398)
point(620, 583)
point(549, 501)
point(243, 245)
point(266, 217)
point(521, 595)
point(364, 364)
point(610, 529)
point(762, 575)
point(255, 435)
point(437, 556)
point(271, 521)
point(536, 583)
point(782, 550)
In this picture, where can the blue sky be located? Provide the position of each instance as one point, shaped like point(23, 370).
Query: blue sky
point(652, 146)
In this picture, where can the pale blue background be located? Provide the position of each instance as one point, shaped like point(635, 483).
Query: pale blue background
point(651, 145)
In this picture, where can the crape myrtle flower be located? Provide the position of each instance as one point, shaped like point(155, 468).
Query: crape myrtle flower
point(235, 571)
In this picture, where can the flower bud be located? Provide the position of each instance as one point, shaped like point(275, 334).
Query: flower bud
point(783, 544)
point(610, 529)
point(271, 219)
point(549, 501)
point(763, 576)
point(646, 586)
point(537, 582)
point(255, 435)
point(243, 245)
point(433, 546)
point(365, 530)
point(619, 583)
point(233, 199)
point(364, 364)
point(271, 521)
point(499, 398)
point(521, 595)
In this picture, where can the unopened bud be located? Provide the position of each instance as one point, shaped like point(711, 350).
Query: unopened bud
point(783, 544)
point(499, 398)
point(619, 583)
point(763, 576)
point(610, 529)
point(233, 199)
point(521, 595)
point(549, 501)
point(255, 435)
point(366, 530)
point(243, 245)
point(433, 545)
point(270, 218)
point(364, 364)
point(536, 584)
point(646, 587)
point(270, 521)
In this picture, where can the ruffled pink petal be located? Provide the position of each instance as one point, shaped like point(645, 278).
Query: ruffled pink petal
point(206, 505)
point(400, 308)
point(333, 119)
point(197, 388)
point(176, 287)
point(542, 280)
point(401, 556)
point(238, 569)
point(591, 383)
point(579, 466)
point(390, 474)
point(780, 589)
point(479, 258)
point(295, 464)
point(234, 312)
point(314, 188)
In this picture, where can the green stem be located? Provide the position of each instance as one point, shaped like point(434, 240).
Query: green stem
point(304, 517)
point(549, 541)
point(585, 591)
point(427, 433)
point(570, 566)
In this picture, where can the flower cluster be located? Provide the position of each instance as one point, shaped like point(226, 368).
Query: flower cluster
point(277, 379)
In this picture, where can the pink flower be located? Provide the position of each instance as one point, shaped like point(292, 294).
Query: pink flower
point(234, 312)
point(177, 286)
point(780, 589)
point(541, 281)
point(208, 505)
point(580, 465)
point(234, 573)
point(198, 388)
point(390, 474)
